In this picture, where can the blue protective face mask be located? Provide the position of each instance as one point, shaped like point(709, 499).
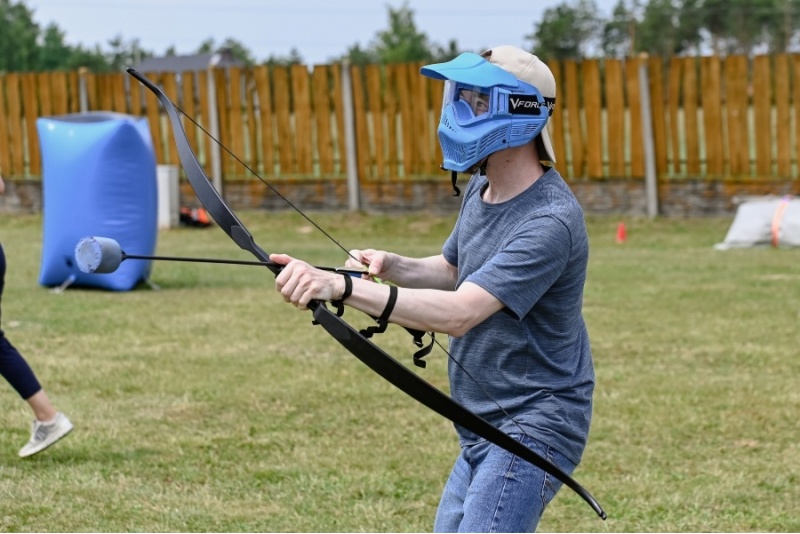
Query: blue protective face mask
point(484, 109)
point(478, 121)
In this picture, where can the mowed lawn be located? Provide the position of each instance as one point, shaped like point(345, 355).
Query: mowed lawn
point(211, 405)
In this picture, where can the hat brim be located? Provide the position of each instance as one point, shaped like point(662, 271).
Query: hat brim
point(470, 69)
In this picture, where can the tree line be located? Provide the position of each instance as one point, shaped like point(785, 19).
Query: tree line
point(668, 28)
point(572, 29)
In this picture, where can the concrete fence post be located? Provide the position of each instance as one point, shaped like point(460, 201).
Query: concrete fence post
point(353, 189)
point(650, 178)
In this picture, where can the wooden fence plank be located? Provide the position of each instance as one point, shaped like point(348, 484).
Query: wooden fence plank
point(690, 116)
point(762, 110)
point(153, 120)
point(674, 102)
point(711, 96)
point(376, 108)
point(731, 115)
point(338, 106)
point(189, 108)
point(745, 82)
point(736, 105)
point(322, 114)
point(635, 116)
point(251, 121)
point(105, 92)
point(556, 122)
point(120, 98)
point(658, 112)
point(796, 99)
point(363, 155)
point(435, 92)
point(101, 96)
point(615, 118)
point(45, 94)
point(280, 78)
point(573, 110)
point(74, 91)
point(89, 82)
point(302, 119)
point(5, 125)
point(60, 91)
point(170, 87)
point(204, 108)
point(406, 119)
point(219, 77)
point(421, 121)
point(135, 93)
point(265, 115)
point(392, 110)
point(15, 118)
point(592, 106)
point(30, 102)
point(783, 116)
point(236, 109)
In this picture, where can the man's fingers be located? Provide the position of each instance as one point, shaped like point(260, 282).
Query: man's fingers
point(280, 259)
point(285, 282)
point(300, 283)
point(370, 258)
point(356, 259)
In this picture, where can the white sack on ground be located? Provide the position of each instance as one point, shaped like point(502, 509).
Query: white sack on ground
point(768, 222)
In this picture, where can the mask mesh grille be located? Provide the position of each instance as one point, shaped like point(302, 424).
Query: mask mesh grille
point(492, 138)
point(445, 121)
point(456, 151)
point(524, 130)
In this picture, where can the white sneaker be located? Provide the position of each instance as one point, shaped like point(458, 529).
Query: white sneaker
point(44, 435)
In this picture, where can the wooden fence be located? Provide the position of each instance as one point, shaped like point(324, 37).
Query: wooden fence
point(718, 118)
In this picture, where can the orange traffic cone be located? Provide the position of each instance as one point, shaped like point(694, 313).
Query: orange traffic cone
point(622, 235)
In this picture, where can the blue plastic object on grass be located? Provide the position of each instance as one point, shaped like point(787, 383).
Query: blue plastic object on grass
point(99, 178)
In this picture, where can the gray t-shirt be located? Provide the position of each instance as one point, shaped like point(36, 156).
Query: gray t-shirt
point(533, 357)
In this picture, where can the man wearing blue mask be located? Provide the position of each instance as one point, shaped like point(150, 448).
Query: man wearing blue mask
point(507, 287)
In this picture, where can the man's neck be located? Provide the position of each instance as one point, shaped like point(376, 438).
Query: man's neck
point(510, 172)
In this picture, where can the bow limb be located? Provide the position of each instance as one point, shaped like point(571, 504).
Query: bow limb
point(362, 348)
point(208, 196)
point(399, 376)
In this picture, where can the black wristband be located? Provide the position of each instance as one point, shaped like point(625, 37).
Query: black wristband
point(387, 311)
point(348, 287)
point(383, 320)
point(348, 290)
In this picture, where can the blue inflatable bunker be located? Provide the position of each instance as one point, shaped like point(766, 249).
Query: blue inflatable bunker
point(99, 179)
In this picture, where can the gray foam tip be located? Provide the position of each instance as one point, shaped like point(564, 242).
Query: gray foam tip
point(98, 255)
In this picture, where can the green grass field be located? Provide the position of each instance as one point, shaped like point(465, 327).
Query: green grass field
point(210, 405)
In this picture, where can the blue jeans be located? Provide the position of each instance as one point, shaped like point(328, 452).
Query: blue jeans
point(491, 490)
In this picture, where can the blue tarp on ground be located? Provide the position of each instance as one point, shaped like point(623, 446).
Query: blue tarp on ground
point(99, 179)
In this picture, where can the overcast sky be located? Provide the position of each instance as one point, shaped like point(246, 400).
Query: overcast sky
point(318, 29)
